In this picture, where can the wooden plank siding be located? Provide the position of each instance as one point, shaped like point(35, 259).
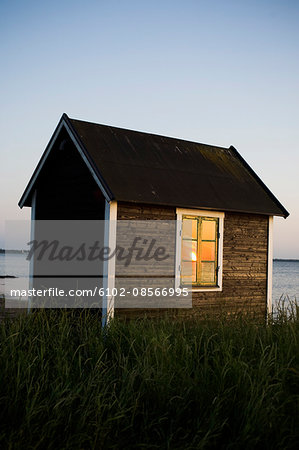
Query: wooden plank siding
point(245, 244)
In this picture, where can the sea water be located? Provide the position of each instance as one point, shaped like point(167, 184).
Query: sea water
point(285, 275)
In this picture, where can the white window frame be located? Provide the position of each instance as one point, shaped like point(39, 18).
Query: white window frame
point(199, 213)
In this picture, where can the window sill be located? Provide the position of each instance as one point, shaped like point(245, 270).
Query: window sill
point(205, 289)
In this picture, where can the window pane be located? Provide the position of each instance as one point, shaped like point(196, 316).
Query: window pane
point(199, 250)
point(189, 272)
point(207, 273)
point(189, 228)
point(189, 250)
point(207, 252)
point(208, 230)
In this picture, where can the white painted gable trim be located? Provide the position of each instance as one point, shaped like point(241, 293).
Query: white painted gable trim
point(62, 124)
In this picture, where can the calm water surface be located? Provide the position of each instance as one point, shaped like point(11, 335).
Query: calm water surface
point(14, 264)
point(285, 275)
point(285, 280)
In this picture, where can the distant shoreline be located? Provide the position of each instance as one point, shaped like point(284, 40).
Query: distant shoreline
point(21, 252)
point(286, 259)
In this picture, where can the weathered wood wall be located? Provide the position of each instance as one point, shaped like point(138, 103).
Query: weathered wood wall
point(244, 262)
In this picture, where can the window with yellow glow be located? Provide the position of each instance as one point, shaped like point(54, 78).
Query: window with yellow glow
point(199, 251)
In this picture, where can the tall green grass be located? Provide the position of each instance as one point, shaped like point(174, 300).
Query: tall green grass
point(225, 384)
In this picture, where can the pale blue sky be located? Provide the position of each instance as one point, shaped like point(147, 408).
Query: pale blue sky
point(217, 72)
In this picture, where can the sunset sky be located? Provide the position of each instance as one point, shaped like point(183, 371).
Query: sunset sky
point(216, 72)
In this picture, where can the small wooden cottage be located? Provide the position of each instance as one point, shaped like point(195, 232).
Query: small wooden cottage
point(223, 211)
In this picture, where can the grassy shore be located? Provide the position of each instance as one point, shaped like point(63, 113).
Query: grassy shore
point(225, 384)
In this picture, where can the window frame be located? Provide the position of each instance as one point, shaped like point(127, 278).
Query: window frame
point(180, 212)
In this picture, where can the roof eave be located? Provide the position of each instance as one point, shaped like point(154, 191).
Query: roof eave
point(202, 207)
point(284, 212)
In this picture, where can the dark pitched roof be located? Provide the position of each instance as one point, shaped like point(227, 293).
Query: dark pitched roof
point(148, 168)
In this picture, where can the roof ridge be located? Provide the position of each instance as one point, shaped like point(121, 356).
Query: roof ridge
point(147, 133)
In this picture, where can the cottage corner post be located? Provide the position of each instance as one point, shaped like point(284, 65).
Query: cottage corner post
point(270, 266)
point(32, 237)
point(109, 264)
